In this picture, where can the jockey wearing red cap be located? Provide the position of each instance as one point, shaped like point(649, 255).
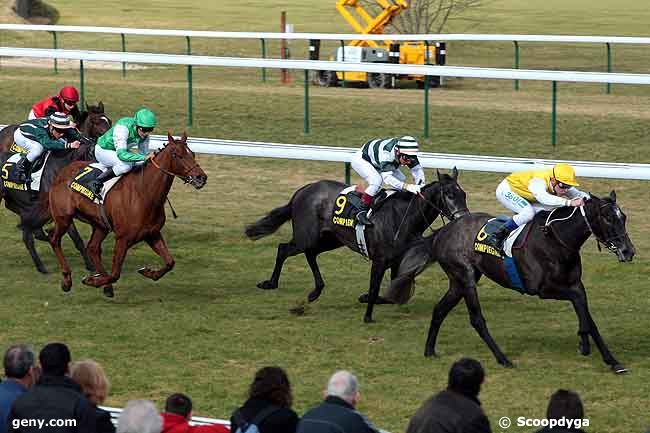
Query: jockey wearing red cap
point(65, 102)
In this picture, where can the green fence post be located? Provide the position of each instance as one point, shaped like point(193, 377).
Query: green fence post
point(347, 173)
point(516, 62)
point(306, 126)
point(264, 57)
point(426, 93)
point(554, 115)
point(343, 60)
point(56, 46)
point(124, 51)
point(609, 66)
point(82, 86)
point(189, 85)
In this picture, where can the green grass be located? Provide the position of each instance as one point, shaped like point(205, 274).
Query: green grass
point(204, 329)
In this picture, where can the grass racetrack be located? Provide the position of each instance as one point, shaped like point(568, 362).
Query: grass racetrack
point(205, 328)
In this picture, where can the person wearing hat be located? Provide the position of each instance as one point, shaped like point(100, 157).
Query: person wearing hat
point(55, 132)
point(124, 146)
point(528, 192)
point(65, 102)
point(379, 161)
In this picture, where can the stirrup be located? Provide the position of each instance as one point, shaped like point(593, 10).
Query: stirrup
point(362, 218)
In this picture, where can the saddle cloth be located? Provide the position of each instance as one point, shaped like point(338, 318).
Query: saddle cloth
point(9, 179)
point(84, 179)
point(484, 241)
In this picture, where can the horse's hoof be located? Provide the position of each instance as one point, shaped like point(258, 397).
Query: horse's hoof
point(585, 349)
point(92, 280)
point(108, 291)
point(313, 295)
point(147, 273)
point(368, 319)
point(506, 363)
point(363, 298)
point(266, 285)
point(65, 286)
point(619, 369)
point(430, 353)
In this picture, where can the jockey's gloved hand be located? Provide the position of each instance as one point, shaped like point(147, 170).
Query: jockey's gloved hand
point(415, 189)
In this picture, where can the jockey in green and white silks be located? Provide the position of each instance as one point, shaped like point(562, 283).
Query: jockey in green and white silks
point(124, 146)
point(379, 161)
point(54, 132)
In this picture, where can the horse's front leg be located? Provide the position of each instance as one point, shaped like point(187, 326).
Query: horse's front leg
point(94, 250)
point(157, 244)
point(79, 245)
point(28, 239)
point(587, 327)
point(376, 276)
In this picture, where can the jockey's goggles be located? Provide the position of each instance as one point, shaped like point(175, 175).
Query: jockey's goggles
point(69, 102)
point(563, 185)
point(145, 129)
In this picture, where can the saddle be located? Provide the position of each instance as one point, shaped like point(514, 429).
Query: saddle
point(348, 203)
point(11, 180)
point(83, 182)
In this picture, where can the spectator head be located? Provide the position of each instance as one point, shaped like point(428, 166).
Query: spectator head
point(564, 403)
point(179, 404)
point(92, 379)
point(20, 364)
point(55, 359)
point(344, 385)
point(139, 416)
point(466, 376)
point(272, 384)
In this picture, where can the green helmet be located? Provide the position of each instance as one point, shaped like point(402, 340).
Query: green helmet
point(145, 118)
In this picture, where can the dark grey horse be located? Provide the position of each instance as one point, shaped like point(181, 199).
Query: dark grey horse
point(399, 221)
point(549, 265)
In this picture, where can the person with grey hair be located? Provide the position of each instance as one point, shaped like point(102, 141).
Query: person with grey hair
point(139, 416)
point(21, 373)
point(337, 414)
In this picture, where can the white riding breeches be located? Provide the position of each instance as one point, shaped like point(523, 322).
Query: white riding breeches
point(109, 159)
point(523, 209)
point(34, 148)
point(370, 173)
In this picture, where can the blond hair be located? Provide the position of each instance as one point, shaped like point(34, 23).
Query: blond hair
point(92, 379)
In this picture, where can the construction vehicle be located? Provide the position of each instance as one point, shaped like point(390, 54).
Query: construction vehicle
point(416, 53)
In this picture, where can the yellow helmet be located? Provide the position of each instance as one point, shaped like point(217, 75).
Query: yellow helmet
point(565, 173)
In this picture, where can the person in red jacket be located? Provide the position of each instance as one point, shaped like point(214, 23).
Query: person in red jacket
point(64, 102)
point(178, 413)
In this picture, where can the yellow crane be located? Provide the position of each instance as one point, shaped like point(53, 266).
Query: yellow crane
point(377, 51)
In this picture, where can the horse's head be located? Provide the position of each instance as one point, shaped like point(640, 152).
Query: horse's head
point(94, 121)
point(607, 222)
point(181, 161)
point(447, 195)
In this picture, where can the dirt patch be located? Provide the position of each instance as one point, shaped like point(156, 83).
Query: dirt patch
point(28, 62)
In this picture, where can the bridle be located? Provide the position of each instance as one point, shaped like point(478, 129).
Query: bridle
point(608, 242)
point(184, 177)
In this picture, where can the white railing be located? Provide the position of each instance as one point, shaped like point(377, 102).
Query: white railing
point(319, 65)
point(497, 164)
point(437, 37)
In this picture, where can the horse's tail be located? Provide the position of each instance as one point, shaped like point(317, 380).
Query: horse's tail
point(269, 223)
point(416, 259)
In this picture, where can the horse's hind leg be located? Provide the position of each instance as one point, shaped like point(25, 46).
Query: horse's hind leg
point(28, 239)
point(94, 250)
point(61, 225)
point(478, 322)
point(284, 252)
point(377, 272)
point(79, 244)
point(440, 312)
point(157, 244)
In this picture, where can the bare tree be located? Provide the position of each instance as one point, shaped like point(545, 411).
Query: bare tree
point(429, 16)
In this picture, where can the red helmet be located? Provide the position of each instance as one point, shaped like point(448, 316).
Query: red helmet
point(69, 93)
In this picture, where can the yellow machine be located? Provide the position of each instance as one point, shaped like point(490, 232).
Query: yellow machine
point(377, 51)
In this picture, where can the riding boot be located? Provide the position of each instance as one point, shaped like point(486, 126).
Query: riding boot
point(23, 169)
point(98, 183)
point(502, 234)
point(362, 216)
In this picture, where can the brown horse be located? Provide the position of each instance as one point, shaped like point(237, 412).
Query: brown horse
point(134, 208)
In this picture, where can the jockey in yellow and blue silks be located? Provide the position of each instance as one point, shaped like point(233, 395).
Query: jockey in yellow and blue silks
point(124, 146)
point(528, 192)
point(379, 161)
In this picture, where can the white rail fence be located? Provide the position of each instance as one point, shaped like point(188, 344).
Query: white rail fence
point(496, 164)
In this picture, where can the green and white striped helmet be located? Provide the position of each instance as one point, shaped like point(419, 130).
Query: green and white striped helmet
point(408, 145)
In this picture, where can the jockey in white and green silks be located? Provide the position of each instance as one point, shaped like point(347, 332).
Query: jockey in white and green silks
point(379, 161)
point(124, 146)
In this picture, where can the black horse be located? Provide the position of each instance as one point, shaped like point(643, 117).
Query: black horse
point(28, 206)
point(399, 221)
point(549, 265)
